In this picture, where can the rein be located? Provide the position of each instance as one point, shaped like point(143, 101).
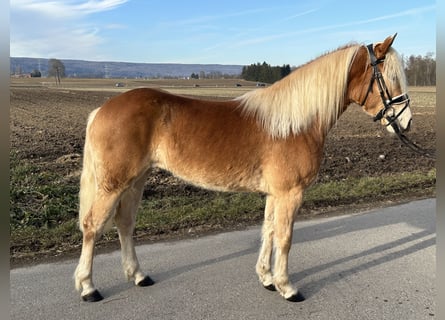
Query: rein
point(411, 144)
point(388, 101)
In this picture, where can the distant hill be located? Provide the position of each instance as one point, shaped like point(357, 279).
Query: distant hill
point(108, 69)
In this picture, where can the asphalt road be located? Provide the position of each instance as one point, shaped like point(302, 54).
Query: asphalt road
point(378, 264)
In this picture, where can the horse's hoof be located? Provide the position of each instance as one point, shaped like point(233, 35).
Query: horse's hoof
point(92, 296)
point(296, 298)
point(271, 287)
point(147, 281)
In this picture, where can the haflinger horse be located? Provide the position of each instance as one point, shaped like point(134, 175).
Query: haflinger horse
point(269, 140)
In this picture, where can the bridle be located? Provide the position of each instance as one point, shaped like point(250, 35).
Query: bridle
point(387, 100)
point(388, 111)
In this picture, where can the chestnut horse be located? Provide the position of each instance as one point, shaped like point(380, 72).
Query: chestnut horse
point(269, 140)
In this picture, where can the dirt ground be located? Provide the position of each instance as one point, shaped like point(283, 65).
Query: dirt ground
point(47, 125)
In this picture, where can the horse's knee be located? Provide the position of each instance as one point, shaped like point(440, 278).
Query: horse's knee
point(283, 238)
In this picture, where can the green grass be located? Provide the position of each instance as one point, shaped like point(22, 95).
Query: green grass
point(38, 197)
point(43, 210)
point(216, 209)
point(356, 189)
point(43, 206)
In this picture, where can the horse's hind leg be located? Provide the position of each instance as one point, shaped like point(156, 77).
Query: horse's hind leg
point(125, 220)
point(263, 264)
point(93, 225)
point(286, 207)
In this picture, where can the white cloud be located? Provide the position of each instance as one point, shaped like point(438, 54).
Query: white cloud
point(65, 9)
point(271, 37)
point(57, 29)
point(300, 14)
point(65, 43)
point(409, 12)
point(116, 26)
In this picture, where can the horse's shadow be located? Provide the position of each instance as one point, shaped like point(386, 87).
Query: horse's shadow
point(384, 253)
point(172, 273)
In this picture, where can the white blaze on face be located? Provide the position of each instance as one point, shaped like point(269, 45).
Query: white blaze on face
point(403, 120)
point(394, 75)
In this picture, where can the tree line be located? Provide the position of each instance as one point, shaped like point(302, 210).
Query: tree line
point(213, 75)
point(264, 72)
point(420, 71)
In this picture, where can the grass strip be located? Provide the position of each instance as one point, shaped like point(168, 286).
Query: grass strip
point(43, 207)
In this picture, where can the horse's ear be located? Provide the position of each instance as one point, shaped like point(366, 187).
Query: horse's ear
point(382, 48)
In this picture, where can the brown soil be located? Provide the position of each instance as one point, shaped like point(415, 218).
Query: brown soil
point(47, 127)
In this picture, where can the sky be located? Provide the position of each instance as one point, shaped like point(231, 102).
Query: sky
point(221, 32)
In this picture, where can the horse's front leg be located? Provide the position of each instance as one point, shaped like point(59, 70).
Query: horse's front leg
point(286, 207)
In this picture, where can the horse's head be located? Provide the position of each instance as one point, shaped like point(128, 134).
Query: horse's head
point(381, 89)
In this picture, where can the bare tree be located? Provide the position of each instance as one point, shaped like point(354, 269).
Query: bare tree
point(421, 71)
point(56, 69)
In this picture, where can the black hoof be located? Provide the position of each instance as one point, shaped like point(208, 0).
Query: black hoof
point(147, 281)
point(296, 298)
point(271, 287)
point(92, 297)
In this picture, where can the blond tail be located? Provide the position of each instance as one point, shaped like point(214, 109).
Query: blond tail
point(88, 178)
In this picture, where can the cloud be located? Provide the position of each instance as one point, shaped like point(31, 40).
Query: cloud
point(300, 14)
point(116, 26)
point(212, 18)
point(271, 37)
point(246, 40)
point(58, 29)
point(404, 13)
point(64, 43)
point(65, 9)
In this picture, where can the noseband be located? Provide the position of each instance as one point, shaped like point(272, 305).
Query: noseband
point(388, 101)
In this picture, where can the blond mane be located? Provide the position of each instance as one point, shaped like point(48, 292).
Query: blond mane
point(314, 91)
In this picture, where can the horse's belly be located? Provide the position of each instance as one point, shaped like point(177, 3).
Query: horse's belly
point(217, 177)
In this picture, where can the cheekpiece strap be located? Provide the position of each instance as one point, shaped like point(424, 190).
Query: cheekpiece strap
point(374, 60)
